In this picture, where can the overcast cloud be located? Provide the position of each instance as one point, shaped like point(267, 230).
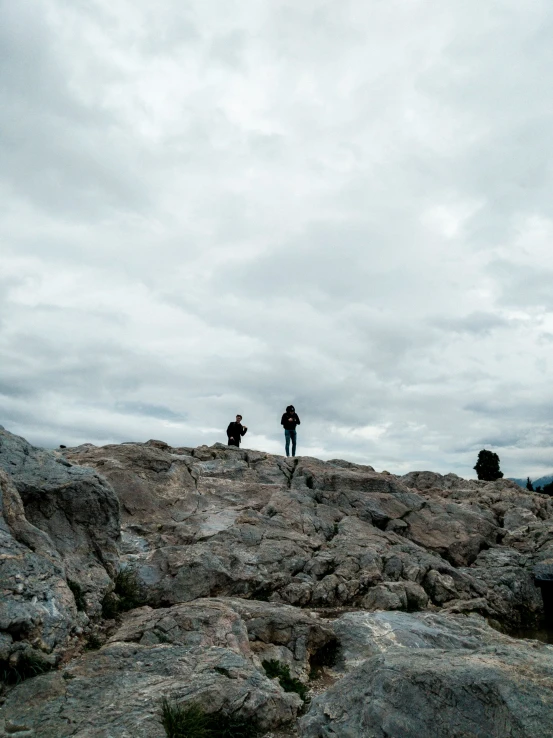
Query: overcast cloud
point(227, 206)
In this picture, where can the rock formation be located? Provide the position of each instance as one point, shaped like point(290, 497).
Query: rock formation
point(338, 573)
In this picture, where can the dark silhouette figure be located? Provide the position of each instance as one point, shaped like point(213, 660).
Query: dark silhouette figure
point(235, 431)
point(289, 421)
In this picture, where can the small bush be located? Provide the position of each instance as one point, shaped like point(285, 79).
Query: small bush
point(288, 683)
point(190, 721)
point(27, 665)
point(127, 594)
point(184, 722)
point(78, 594)
point(93, 643)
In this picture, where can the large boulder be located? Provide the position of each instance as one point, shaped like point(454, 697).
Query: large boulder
point(37, 608)
point(365, 634)
point(496, 692)
point(456, 532)
point(118, 690)
point(258, 631)
point(290, 635)
point(200, 623)
point(59, 526)
point(74, 506)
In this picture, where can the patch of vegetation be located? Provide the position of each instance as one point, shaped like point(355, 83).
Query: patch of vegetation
point(184, 722)
point(191, 721)
point(126, 595)
point(93, 643)
point(78, 594)
point(28, 665)
point(274, 668)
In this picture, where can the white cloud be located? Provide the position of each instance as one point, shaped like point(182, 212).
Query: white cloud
point(230, 206)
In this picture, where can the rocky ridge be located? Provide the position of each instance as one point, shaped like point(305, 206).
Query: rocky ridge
point(370, 583)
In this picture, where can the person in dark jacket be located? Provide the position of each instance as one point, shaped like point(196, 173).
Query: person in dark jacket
point(235, 431)
point(290, 420)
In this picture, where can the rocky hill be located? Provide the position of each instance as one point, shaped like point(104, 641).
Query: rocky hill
point(292, 596)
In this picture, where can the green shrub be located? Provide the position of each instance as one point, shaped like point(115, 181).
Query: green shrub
point(190, 721)
point(288, 683)
point(27, 665)
point(93, 643)
point(126, 595)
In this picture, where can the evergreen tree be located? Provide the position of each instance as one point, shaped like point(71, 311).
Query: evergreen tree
point(529, 486)
point(487, 466)
point(547, 489)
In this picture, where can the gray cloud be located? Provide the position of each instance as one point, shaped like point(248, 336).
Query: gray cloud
point(230, 207)
point(475, 323)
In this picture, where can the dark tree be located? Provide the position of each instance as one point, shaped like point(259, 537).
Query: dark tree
point(529, 486)
point(487, 466)
point(547, 489)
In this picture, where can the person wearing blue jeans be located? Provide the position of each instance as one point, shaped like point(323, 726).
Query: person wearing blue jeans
point(289, 421)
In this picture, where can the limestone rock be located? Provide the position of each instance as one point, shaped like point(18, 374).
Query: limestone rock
point(59, 527)
point(200, 623)
point(287, 634)
point(76, 509)
point(117, 691)
point(362, 634)
point(408, 693)
point(518, 517)
point(245, 556)
point(37, 608)
point(220, 521)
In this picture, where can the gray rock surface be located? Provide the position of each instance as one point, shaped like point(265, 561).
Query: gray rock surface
point(37, 608)
point(116, 692)
point(295, 637)
point(59, 526)
point(366, 634)
point(256, 630)
point(494, 692)
point(74, 506)
point(221, 521)
point(245, 557)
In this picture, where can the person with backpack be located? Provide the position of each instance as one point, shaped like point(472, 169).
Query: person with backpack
point(289, 421)
point(235, 431)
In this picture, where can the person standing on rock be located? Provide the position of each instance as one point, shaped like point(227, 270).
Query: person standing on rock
point(290, 420)
point(235, 431)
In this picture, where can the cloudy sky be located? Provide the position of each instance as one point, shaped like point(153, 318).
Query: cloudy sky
point(226, 206)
